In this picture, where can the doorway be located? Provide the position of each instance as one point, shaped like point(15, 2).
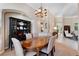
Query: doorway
point(67, 27)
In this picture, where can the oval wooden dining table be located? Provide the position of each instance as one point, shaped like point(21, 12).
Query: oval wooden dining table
point(35, 43)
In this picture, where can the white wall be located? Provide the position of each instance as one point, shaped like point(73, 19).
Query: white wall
point(51, 22)
point(23, 7)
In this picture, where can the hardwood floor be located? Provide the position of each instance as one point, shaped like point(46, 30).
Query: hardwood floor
point(61, 50)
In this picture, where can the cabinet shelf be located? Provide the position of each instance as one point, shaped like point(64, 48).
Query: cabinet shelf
point(15, 22)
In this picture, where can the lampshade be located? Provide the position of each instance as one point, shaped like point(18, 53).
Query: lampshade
point(55, 28)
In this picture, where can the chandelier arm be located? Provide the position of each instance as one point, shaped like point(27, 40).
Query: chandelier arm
point(41, 12)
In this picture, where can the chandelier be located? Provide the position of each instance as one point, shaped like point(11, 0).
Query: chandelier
point(41, 12)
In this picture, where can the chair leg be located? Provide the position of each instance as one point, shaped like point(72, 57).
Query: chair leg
point(47, 54)
point(54, 48)
point(52, 52)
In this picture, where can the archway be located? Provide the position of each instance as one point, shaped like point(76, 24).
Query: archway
point(6, 25)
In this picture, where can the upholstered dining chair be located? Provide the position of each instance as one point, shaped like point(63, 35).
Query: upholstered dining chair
point(50, 48)
point(19, 49)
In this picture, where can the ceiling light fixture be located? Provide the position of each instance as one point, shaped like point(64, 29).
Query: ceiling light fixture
point(41, 12)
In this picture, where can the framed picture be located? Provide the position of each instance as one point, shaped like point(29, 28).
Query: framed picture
point(76, 26)
point(45, 25)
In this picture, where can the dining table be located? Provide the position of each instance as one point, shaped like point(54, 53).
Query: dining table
point(36, 43)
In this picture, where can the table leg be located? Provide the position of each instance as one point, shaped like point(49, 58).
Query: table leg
point(37, 51)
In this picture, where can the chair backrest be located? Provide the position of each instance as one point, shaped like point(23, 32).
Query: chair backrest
point(51, 43)
point(55, 37)
point(18, 47)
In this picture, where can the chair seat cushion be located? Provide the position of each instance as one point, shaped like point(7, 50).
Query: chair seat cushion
point(44, 50)
point(32, 53)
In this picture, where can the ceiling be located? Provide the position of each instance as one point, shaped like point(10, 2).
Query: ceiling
point(58, 9)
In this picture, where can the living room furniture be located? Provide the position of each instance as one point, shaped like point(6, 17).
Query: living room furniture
point(35, 43)
point(19, 49)
point(72, 35)
point(17, 28)
point(69, 35)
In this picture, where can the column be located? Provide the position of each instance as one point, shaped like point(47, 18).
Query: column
point(1, 32)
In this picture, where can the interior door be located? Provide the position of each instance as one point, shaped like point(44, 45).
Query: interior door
point(67, 27)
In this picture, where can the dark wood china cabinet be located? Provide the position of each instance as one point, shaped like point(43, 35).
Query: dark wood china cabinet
point(17, 29)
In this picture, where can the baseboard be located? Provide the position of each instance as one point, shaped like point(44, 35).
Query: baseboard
point(2, 51)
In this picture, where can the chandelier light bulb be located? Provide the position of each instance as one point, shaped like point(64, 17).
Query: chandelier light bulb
point(45, 9)
point(41, 12)
point(36, 11)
